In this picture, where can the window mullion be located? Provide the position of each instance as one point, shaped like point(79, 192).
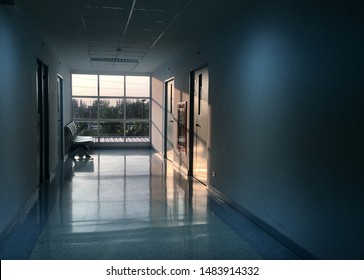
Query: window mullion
point(124, 98)
point(98, 108)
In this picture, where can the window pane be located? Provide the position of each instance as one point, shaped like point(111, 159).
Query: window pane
point(84, 108)
point(111, 85)
point(111, 129)
point(100, 107)
point(111, 108)
point(137, 86)
point(87, 128)
point(84, 85)
point(137, 109)
point(137, 129)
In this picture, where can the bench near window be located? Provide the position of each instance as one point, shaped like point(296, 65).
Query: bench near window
point(80, 144)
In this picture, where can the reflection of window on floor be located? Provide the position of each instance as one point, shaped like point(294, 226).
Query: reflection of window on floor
point(112, 108)
point(135, 170)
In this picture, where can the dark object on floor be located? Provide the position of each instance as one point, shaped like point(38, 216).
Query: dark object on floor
point(79, 143)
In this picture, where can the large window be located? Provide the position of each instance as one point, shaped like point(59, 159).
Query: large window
point(112, 108)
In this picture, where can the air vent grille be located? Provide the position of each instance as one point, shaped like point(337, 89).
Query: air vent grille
point(115, 60)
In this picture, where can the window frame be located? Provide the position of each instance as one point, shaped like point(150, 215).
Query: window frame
point(123, 97)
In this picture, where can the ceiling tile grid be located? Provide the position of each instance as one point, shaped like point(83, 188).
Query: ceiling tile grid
point(122, 32)
point(81, 30)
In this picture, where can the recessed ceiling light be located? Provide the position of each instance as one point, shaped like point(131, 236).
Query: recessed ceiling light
point(104, 7)
point(115, 60)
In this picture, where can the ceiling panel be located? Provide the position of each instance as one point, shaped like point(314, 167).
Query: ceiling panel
point(142, 43)
point(106, 14)
point(124, 67)
point(99, 23)
point(103, 54)
point(147, 15)
point(143, 30)
point(136, 48)
point(102, 48)
point(102, 43)
point(91, 37)
point(148, 24)
point(108, 32)
point(103, 65)
point(142, 34)
point(165, 5)
point(107, 3)
point(85, 29)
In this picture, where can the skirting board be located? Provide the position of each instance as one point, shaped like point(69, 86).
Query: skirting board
point(29, 204)
point(20, 215)
point(295, 248)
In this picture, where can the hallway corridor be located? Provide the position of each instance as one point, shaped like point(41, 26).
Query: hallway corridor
point(131, 204)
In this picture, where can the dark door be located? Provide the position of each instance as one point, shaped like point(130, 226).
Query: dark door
point(60, 116)
point(43, 121)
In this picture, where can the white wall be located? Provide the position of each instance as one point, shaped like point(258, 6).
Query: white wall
point(20, 47)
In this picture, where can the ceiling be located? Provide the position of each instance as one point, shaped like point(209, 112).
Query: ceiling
point(120, 35)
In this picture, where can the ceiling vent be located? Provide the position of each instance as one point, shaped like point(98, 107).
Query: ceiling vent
point(115, 60)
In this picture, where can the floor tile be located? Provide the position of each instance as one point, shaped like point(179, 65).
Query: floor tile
point(131, 204)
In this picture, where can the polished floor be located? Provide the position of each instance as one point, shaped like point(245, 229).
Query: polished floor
point(121, 139)
point(132, 204)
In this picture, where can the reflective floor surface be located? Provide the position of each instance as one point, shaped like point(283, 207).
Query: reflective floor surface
point(131, 204)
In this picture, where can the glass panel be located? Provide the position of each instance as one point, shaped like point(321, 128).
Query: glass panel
point(111, 85)
point(137, 109)
point(137, 86)
point(112, 129)
point(137, 129)
point(84, 85)
point(104, 115)
point(84, 108)
point(111, 108)
point(87, 128)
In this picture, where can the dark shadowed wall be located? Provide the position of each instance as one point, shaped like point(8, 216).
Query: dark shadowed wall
point(287, 119)
point(20, 47)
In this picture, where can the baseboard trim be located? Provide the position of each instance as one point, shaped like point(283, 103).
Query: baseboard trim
point(295, 248)
point(21, 214)
point(31, 201)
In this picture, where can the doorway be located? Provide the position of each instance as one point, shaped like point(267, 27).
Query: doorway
point(43, 121)
point(201, 116)
point(169, 120)
point(60, 116)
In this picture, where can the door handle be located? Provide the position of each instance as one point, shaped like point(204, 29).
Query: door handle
point(171, 121)
point(198, 125)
